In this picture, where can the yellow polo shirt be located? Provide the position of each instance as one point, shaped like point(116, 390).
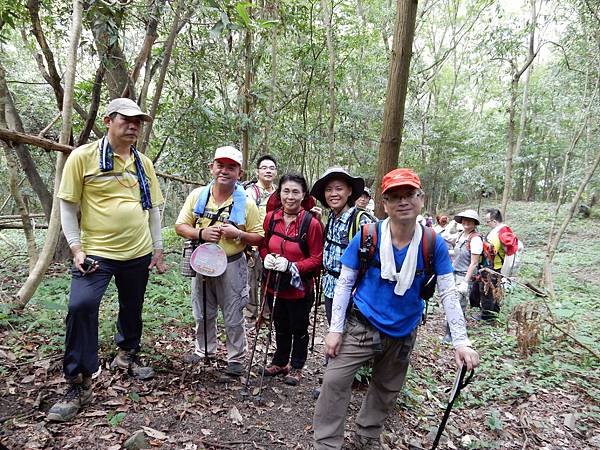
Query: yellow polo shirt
point(231, 246)
point(113, 223)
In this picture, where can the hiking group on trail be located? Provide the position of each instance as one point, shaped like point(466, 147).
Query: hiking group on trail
point(376, 274)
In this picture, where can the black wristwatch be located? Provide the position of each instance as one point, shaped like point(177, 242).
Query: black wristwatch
point(200, 240)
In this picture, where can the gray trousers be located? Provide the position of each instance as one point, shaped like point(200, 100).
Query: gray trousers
point(254, 275)
point(230, 292)
point(389, 371)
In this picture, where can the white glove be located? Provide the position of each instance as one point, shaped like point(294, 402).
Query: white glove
point(269, 262)
point(463, 287)
point(281, 264)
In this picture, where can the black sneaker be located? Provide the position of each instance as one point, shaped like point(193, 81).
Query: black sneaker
point(129, 361)
point(77, 396)
point(234, 369)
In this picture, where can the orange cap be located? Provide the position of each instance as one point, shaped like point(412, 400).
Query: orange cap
point(400, 177)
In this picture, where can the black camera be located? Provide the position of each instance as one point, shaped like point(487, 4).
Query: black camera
point(88, 264)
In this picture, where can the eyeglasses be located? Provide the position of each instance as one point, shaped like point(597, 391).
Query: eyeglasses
point(399, 196)
point(267, 168)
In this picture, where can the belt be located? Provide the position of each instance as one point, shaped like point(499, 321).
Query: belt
point(333, 273)
point(235, 257)
point(460, 272)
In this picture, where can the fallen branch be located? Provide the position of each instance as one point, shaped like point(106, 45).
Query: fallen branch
point(573, 338)
point(46, 144)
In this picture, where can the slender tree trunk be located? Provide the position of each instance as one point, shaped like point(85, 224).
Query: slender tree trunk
point(247, 100)
point(169, 44)
point(25, 159)
point(393, 113)
point(13, 179)
point(547, 274)
point(514, 144)
point(36, 275)
point(327, 14)
point(273, 84)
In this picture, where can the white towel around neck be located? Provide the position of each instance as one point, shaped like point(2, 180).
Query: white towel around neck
point(405, 278)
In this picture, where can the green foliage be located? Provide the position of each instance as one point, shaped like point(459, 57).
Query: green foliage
point(115, 419)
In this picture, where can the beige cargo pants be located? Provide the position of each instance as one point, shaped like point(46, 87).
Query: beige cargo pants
point(389, 371)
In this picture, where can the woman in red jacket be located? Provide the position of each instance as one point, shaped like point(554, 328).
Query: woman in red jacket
point(292, 250)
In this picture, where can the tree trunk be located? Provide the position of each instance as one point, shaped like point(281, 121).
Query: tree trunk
point(514, 145)
point(13, 179)
point(555, 240)
point(327, 13)
point(169, 44)
point(25, 160)
point(393, 113)
point(246, 101)
point(36, 275)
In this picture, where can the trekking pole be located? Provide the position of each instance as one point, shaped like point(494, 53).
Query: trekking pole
point(459, 383)
point(257, 324)
point(259, 398)
point(204, 319)
point(317, 304)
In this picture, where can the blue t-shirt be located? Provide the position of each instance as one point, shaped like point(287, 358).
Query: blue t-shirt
point(394, 315)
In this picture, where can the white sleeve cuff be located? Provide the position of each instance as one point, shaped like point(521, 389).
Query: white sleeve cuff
point(69, 222)
point(341, 298)
point(155, 229)
point(454, 315)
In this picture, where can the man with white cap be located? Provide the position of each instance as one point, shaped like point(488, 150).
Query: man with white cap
point(382, 321)
point(115, 189)
point(221, 213)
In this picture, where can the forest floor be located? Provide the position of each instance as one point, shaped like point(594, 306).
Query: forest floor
point(541, 391)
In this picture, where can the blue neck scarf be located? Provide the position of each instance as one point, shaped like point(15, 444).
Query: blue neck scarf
point(238, 210)
point(107, 164)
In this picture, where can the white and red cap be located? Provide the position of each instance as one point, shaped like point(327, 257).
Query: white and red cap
point(229, 153)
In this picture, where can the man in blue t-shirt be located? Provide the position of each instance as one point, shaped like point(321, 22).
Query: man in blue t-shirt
point(382, 321)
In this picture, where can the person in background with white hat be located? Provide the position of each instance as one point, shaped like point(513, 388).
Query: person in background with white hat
point(115, 189)
point(221, 213)
point(467, 253)
point(365, 203)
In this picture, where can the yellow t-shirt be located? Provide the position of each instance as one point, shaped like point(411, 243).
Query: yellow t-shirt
point(113, 223)
point(231, 246)
point(494, 239)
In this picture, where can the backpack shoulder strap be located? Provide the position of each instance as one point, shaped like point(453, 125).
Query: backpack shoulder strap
point(257, 193)
point(428, 248)
point(354, 223)
point(368, 245)
point(271, 226)
point(303, 232)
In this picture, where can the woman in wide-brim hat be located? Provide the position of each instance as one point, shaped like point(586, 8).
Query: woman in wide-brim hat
point(337, 190)
point(467, 252)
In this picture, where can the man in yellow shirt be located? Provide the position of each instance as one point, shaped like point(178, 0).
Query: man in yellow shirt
point(221, 213)
point(115, 189)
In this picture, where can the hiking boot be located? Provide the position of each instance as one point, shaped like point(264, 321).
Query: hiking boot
point(274, 370)
point(234, 369)
point(366, 443)
point(294, 377)
point(79, 394)
point(129, 361)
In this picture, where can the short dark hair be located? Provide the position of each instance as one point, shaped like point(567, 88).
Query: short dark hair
point(296, 178)
point(495, 214)
point(265, 157)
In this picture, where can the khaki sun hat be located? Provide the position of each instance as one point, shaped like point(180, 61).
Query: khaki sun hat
point(126, 107)
point(468, 214)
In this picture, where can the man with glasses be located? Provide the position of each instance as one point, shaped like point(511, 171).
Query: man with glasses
point(115, 190)
point(259, 192)
point(381, 322)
